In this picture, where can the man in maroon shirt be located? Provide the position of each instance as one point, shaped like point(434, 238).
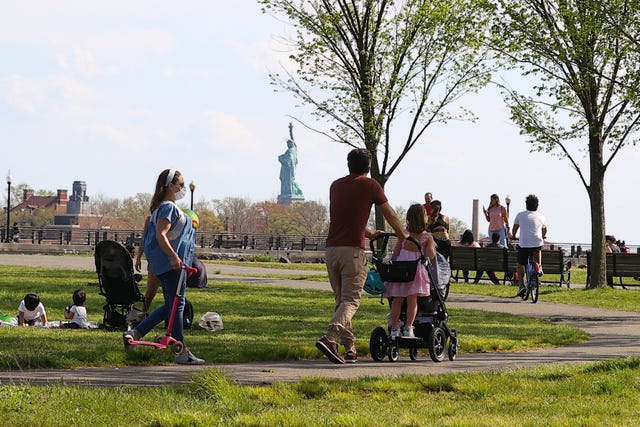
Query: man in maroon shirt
point(350, 201)
point(428, 198)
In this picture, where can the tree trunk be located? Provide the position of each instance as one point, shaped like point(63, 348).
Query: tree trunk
point(380, 221)
point(596, 198)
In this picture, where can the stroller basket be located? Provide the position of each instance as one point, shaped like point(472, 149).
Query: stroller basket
point(395, 271)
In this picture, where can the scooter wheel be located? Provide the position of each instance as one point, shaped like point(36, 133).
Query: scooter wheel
point(177, 348)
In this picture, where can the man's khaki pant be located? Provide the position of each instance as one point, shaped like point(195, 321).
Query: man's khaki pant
point(346, 266)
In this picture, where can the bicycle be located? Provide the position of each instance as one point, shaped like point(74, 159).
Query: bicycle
point(532, 276)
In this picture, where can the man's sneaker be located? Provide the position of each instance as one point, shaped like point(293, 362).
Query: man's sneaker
point(128, 336)
point(408, 332)
point(330, 349)
point(395, 333)
point(187, 358)
point(350, 357)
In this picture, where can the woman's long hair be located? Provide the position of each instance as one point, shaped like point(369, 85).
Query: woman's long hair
point(467, 237)
point(436, 207)
point(161, 188)
point(497, 203)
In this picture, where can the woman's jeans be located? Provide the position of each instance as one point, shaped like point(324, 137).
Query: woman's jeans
point(169, 282)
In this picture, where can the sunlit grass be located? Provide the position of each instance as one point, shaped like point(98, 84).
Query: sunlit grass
point(606, 393)
point(261, 323)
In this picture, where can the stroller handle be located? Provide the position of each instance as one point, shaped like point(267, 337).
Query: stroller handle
point(386, 236)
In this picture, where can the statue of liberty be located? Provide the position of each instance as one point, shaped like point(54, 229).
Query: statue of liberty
point(289, 160)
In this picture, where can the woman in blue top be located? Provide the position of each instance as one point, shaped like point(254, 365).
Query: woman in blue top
point(169, 242)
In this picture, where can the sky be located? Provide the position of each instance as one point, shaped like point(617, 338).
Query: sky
point(111, 93)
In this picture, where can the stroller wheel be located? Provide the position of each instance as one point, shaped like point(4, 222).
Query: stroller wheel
point(378, 344)
point(437, 344)
point(394, 354)
point(413, 353)
point(452, 350)
point(177, 348)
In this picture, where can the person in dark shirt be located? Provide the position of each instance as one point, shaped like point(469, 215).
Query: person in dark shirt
point(350, 201)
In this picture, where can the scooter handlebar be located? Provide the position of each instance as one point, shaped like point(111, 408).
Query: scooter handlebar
point(190, 269)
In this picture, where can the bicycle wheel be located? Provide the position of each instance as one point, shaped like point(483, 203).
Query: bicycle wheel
point(534, 287)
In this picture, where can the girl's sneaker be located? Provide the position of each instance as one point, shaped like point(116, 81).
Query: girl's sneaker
point(395, 333)
point(408, 332)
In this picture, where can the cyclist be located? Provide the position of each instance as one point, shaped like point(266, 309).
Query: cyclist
point(533, 232)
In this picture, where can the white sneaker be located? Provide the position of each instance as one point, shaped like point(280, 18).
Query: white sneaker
point(131, 335)
point(408, 332)
point(395, 333)
point(187, 358)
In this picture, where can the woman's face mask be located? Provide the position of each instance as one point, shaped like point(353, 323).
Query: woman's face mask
point(181, 193)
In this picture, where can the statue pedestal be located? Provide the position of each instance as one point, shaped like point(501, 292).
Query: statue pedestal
point(287, 200)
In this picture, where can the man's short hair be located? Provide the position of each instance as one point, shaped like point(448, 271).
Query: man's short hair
point(532, 202)
point(359, 161)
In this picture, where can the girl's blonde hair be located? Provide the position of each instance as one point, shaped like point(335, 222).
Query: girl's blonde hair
point(416, 218)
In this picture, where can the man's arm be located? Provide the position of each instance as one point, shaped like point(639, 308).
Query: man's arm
point(514, 230)
point(393, 220)
point(544, 232)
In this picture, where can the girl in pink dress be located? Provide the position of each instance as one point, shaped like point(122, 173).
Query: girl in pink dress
point(408, 251)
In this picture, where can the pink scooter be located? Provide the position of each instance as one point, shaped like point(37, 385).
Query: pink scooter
point(167, 341)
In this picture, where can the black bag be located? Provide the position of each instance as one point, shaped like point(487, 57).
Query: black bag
point(187, 316)
point(398, 271)
point(114, 320)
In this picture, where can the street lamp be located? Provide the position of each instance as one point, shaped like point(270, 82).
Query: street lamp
point(192, 187)
point(8, 204)
point(508, 202)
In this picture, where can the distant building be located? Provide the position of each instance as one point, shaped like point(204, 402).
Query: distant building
point(69, 211)
point(31, 203)
point(77, 212)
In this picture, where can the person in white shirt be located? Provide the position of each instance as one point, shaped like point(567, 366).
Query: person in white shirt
point(77, 312)
point(533, 230)
point(31, 311)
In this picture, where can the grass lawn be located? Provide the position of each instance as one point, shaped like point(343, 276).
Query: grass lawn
point(272, 323)
point(606, 393)
point(261, 323)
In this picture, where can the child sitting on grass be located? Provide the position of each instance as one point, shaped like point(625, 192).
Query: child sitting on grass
point(31, 311)
point(77, 312)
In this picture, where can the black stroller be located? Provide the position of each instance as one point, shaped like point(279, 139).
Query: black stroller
point(430, 327)
point(125, 305)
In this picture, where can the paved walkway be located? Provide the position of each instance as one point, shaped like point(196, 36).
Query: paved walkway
point(613, 334)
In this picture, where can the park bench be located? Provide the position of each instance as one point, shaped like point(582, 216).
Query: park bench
point(506, 261)
point(619, 266)
point(229, 244)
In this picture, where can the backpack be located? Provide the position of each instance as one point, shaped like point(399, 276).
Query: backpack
point(187, 315)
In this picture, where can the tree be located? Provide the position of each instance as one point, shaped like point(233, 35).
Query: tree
point(235, 212)
point(376, 69)
point(311, 217)
point(585, 94)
